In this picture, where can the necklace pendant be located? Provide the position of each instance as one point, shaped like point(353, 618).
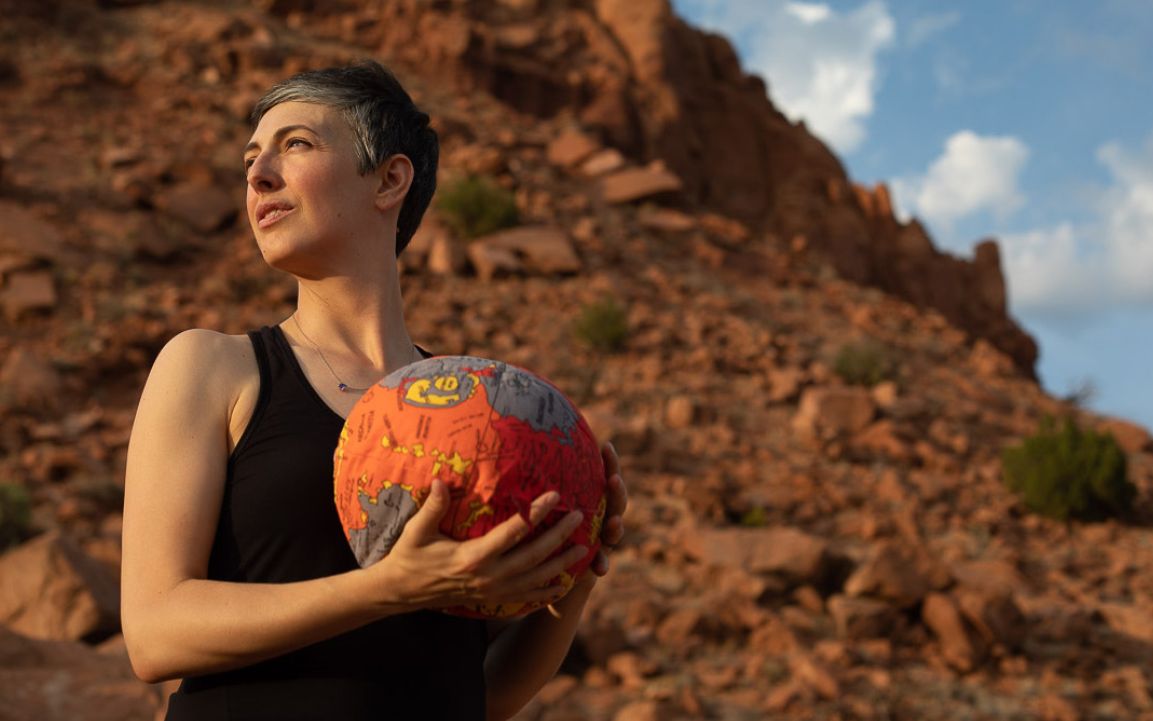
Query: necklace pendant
point(342, 387)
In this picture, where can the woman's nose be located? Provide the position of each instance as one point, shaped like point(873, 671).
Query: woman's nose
point(262, 176)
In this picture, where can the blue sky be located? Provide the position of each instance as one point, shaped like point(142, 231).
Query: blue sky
point(1028, 121)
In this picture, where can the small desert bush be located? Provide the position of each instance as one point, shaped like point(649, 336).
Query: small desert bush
point(474, 206)
point(755, 517)
point(865, 363)
point(1066, 472)
point(15, 515)
point(603, 325)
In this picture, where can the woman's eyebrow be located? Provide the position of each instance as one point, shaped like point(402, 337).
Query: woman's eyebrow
point(280, 133)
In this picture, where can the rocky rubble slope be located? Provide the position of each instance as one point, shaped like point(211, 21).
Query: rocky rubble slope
point(798, 547)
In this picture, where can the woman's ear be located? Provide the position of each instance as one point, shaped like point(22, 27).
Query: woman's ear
point(395, 176)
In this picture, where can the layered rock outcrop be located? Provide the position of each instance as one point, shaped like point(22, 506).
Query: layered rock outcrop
point(656, 88)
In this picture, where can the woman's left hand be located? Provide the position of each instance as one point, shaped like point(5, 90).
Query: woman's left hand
point(613, 529)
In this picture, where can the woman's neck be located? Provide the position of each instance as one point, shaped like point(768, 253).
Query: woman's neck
point(358, 325)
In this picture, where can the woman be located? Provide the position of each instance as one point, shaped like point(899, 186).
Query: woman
point(236, 576)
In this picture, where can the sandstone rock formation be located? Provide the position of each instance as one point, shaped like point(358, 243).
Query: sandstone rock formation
point(655, 88)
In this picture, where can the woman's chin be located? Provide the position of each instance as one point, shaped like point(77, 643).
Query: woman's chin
point(294, 263)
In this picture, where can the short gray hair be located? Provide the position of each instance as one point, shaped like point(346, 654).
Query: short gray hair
point(384, 120)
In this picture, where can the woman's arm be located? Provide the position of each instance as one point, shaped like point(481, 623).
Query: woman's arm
point(525, 654)
point(177, 623)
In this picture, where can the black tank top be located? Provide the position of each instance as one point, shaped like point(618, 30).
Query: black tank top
point(278, 524)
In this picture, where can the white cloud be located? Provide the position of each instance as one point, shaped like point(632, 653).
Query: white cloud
point(1127, 211)
point(925, 27)
point(820, 64)
point(1068, 271)
point(809, 13)
point(973, 174)
point(1048, 271)
point(1065, 270)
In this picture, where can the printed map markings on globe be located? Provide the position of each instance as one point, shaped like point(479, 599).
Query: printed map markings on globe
point(496, 435)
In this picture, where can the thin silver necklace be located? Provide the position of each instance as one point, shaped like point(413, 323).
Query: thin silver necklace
point(340, 385)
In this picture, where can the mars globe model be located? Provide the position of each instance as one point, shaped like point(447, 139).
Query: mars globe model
point(496, 435)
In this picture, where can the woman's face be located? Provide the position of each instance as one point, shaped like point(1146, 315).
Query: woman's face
point(308, 205)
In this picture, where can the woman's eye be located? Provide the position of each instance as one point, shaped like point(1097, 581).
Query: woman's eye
point(296, 141)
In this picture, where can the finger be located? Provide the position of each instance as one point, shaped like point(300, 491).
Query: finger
point(613, 532)
point(512, 531)
point(541, 575)
point(535, 552)
point(618, 496)
point(427, 520)
point(612, 461)
point(541, 507)
point(600, 564)
point(550, 593)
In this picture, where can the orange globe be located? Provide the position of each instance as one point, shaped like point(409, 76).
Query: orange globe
point(496, 435)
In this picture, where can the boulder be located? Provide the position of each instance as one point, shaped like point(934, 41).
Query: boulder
point(26, 234)
point(834, 411)
point(813, 675)
point(890, 573)
point(666, 220)
point(785, 383)
point(959, 645)
point(491, 262)
point(29, 380)
point(571, 147)
point(881, 439)
point(995, 616)
point(201, 206)
point(603, 161)
point(446, 257)
point(1135, 621)
point(26, 291)
point(861, 618)
point(782, 551)
point(50, 589)
point(632, 184)
point(430, 230)
point(680, 411)
point(65, 680)
point(991, 576)
point(538, 249)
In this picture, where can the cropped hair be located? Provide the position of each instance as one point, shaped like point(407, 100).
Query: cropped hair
point(384, 120)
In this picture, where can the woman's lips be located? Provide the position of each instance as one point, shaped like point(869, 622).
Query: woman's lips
point(273, 215)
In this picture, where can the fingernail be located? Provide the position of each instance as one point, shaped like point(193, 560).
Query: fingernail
point(576, 517)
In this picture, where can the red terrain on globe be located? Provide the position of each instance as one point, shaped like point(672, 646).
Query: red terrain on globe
point(498, 436)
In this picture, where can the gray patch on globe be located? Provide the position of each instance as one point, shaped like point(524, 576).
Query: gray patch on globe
point(512, 391)
point(386, 519)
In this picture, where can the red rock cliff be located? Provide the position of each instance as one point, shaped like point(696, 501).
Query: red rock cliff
point(657, 88)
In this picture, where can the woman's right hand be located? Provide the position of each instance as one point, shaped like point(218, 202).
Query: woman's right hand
point(428, 569)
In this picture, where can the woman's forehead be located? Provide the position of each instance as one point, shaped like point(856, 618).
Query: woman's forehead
point(319, 118)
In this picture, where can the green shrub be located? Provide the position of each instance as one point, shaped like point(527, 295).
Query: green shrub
point(15, 515)
point(603, 325)
point(755, 517)
point(864, 363)
point(474, 206)
point(1069, 473)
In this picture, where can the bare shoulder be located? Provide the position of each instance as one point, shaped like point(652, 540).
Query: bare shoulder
point(202, 374)
point(198, 352)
